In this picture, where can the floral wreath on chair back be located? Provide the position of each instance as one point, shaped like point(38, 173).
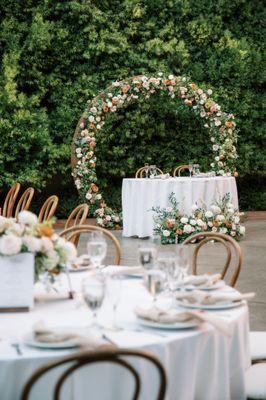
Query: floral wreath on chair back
point(220, 125)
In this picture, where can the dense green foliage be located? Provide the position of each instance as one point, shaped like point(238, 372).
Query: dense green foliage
point(57, 54)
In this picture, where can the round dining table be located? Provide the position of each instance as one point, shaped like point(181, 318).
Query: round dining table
point(201, 363)
point(140, 195)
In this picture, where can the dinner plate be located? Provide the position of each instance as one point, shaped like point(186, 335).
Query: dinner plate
point(217, 285)
point(221, 306)
point(175, 326)
point(30, 340)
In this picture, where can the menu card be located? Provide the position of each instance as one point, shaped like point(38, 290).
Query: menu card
point(16, 282)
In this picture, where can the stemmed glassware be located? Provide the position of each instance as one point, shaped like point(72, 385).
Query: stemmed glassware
point(93, 292)
point(167, 263)
point(146, 169)
point(190, 168)
point(153, 171)
point(114, 292)
point(147, 256)
point(96, 248)
point(196, 168)
point(155, 283)
point(182, 260)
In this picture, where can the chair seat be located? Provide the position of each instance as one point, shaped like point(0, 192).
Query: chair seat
point(256, 382)
point(257, 345)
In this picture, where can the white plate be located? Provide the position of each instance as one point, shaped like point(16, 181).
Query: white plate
point(217, 285)
point(79, 269)
point(221, 306)
point(175, 326)
point(30, 340)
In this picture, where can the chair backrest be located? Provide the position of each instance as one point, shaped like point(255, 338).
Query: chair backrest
point(179, 169)
point(79, 229)
point(48, 208)
point(111, 356)
point(77, 217)
point(140, 172)
point(10, 200)
point(229, 244)
point(25, 201)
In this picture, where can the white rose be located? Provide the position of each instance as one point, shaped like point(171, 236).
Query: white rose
point(193, 222)
point(10, 245)
point(212, 139)
point(99, 221)
point(33, 244)
point(17, 229)
point(210, 224)
point(5, 223)
point(46, 244)
point(27, 218)
point(232, 233)
point(166, 233)
point(223, 230)
point(200, 91)
point(242, 230)
point(209, 92)
point(187, 228)
point(233, 227)
point(217, 158)
point(108, 217)
point(236, 219)
point(221, 172)
point(208, 214)
point(217, 122)
point(215, 147)
point(116, 218)
point(200, 222)
point(215, 209)
point(91, 118)
point(88, 195)
point(184, 220)
point(69, 250)
point(98, 196)
point(171, 77)
point(220, 217)
point(51, 260)
point(214, 229)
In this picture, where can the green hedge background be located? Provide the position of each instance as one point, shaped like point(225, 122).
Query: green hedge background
point(58, 54)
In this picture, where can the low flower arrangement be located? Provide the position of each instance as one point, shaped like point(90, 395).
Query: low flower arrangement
point(174, 227)
point(51, 251)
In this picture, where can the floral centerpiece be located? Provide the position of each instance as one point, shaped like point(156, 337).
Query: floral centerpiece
point(51, 251)
point(174, 227)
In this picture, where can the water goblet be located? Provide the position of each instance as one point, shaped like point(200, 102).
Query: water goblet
point(96, 248)
point(114, 293)
point(166, 262)
point(147, 256)
point(153, 171)
point(155, 282)
point(146, 169)
point(183, 260)
point(93, 292)
point(190, 168)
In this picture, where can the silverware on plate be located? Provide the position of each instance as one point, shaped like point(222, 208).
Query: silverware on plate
point(17, 347)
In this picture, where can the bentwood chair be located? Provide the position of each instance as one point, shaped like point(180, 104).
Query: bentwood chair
point(179, 169)
point(10, 200)
point(229, 244)
point(140, 172)
point(77, 217)
point(80, 229)
point(113, 356)
point(48, 209)
point(25, 201)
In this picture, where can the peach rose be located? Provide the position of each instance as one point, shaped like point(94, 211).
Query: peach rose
point(46, 231)
point(125, 88)
point(193, 86)
point(235, 174)
point(94, 188)
point(229, 124)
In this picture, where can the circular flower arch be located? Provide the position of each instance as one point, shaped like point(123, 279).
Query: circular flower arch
point(220, 127)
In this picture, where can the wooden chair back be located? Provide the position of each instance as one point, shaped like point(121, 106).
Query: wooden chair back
point(179, 169)
point(10, 200)
point(25, 201)
point(114, 356)
point(71, 232)
point(77, 217)
point(48, 208)
point(140, 172)
point(229, 244)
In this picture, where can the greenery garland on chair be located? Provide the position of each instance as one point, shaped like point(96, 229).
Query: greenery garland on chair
point(220, 125)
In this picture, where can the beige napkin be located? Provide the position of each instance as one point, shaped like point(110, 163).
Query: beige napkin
point(201, 297)
point(81, 261)
point(198, 280)
point(121, 270)
point(171, 316)
point(162, 176)
point(44, 334)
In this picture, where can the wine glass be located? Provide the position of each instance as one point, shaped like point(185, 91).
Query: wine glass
point(152, 171)
point(166, 262)
point(114, 292)
point(93, 292)
point(155, 282)
point(196, 169)
point(183, 260)
point(146, 169)
point(190, 168)
point(96, 248)
point(147, 256)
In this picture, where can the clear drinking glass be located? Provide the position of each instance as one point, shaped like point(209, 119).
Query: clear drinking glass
point(114, 293)
point(196, 169)
point(155, 280)
point(146, 169)
point(147, 256)
point(190, 168)
point(182, 260)
point(93, 292)
point(153, 172)
point(96, 248)
point(166, 262)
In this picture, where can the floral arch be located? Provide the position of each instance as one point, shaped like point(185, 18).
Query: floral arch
point(220, 127)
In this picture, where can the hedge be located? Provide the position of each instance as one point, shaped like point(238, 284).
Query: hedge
point(58, 54)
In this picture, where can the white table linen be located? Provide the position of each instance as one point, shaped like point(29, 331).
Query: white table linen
point(140, 195)
point(201, 364)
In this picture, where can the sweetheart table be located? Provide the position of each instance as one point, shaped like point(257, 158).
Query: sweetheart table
point(201, 363)
point(140, 195)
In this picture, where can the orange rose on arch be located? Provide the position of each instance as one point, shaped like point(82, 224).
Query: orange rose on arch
point(125, 89)
point(94, 188)
point(193, 86)
point(179, 231)
point(229, 124)
point(92, 144)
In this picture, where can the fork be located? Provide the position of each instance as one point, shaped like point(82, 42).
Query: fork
point(17, 347)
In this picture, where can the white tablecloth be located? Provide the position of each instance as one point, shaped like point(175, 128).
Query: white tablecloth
point(201, 364)
point(140, 195)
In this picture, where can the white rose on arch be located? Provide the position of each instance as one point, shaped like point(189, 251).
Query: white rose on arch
point(188, 228)
point(166, 233)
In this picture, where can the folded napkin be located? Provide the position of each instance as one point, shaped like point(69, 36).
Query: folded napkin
point(172, 316)
point(162, 176)
point(116, 270)
point(201, 297)
point(44, 334)
point(198, 280)
point(81, 261)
